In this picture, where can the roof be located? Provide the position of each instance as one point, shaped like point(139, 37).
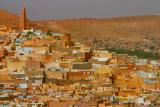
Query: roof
point(151, 81)
point(24, 50)
point(84, 70)
point(82, 65)
point(12, 81)
point(22, 86)
point(57, 34)
point(104, 70)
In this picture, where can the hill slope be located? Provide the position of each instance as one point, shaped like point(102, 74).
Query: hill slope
point(7, 18)
point(133, 28)
point(12, 20)
point(127, 28)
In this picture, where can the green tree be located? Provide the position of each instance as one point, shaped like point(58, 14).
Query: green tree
point(49, 33)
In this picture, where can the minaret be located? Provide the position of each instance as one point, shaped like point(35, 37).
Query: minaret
point(23, 18)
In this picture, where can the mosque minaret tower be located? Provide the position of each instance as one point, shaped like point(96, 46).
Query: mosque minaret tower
point(23, 19)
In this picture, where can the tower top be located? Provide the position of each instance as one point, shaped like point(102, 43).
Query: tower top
point(23, 3)
point(23, 19)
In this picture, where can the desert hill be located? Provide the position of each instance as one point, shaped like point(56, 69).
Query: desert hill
point(127, 28)
point(7, 18)
point(10, 19)
point(133, 28)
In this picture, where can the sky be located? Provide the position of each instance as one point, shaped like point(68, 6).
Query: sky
point(67, 9)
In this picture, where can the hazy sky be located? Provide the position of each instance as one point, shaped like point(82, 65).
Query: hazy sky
point(60, 9)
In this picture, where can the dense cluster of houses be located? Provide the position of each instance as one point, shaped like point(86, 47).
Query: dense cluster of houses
point(38, 69)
